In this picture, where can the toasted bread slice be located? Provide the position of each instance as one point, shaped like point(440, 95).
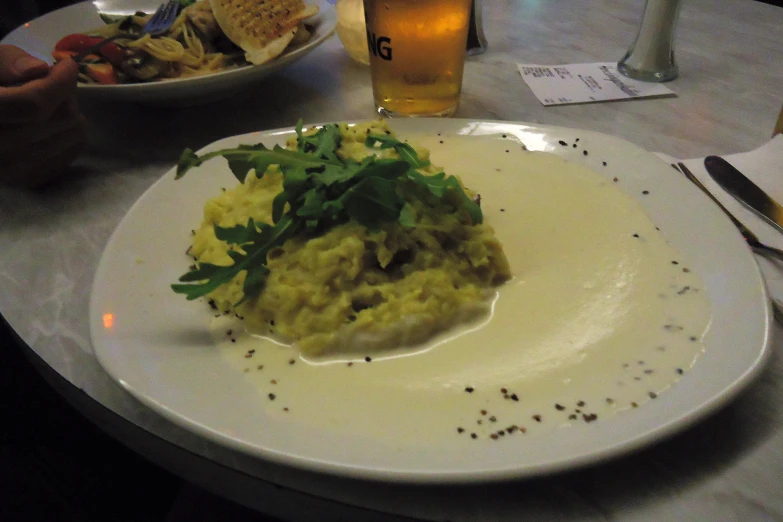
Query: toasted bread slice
point(262, 28)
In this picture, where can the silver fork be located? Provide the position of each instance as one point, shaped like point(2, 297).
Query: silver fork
point(161, 19)
point(750, 238)
point(159, 23)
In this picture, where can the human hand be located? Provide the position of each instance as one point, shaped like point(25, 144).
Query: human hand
point(41, 128)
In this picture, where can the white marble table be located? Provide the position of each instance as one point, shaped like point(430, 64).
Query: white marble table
point(727, 467)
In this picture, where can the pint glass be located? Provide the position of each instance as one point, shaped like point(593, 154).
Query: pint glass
point(417, 54)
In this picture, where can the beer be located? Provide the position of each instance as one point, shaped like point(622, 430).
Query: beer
point(417, 54)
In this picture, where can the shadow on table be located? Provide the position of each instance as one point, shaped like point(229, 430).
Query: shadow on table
point(159, 134)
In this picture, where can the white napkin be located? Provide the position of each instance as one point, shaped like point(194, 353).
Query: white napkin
point(764, 166)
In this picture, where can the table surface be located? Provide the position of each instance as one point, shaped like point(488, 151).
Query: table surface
point(729, 94)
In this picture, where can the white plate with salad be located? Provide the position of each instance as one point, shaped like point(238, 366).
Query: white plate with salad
point(635, 309)
point(210, 66)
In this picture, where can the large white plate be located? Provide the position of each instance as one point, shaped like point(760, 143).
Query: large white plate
point(156, 345)
point(39, 36)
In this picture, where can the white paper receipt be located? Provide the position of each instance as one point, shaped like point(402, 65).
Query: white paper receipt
point(585, 83)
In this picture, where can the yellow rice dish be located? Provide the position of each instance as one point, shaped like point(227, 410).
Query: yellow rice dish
point(352, 289)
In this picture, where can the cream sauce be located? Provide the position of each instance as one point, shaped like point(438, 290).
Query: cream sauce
point(601, 316)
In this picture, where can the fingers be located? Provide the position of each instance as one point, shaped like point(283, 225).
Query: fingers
point(41, 130)
point(17, 66)
point(38, 163)
point(36, 100)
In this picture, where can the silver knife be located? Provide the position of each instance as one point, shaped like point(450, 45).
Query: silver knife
point(744, 190)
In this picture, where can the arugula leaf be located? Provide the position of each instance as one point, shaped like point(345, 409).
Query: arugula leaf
point(319, 191)
point(210, 277)
point(278, 206)
point(323, 144)
point(332, 174)
point(204, 271)
point(218, 276)
point(388, 169)
point(435, 183)
point(254, 282)
point(313, 205)
point(257, 157)
point(406, 152)
point(407, 218)
point(238, 235)
point(373, 201)
point(438, 184)
point(295, 180)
